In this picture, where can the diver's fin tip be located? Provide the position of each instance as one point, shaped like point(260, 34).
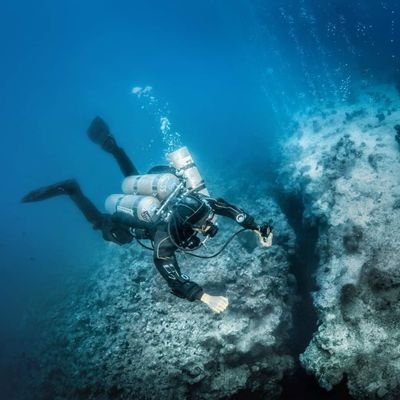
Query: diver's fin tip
point(26, 199)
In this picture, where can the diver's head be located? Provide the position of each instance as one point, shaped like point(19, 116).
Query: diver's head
point(208, 228)
point(191, 211)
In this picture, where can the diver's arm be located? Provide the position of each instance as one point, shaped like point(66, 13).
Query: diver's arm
point(167, 265)
point(222, 207)
point(181, 285)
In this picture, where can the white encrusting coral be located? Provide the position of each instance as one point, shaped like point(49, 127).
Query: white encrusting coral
point(346, 163)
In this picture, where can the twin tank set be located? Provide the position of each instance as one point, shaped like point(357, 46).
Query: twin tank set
point(145, 198)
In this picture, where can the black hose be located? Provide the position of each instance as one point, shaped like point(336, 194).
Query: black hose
point(144, 246)
point(222, 248)
point(176, 244)
point(189, 252)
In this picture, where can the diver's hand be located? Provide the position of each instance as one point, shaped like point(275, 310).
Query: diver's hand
point(217, 303)
point(264, 241)
point(264, 233)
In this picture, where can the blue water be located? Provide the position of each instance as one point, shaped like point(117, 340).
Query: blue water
point(228, 75)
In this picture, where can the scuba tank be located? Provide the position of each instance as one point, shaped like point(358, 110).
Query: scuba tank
point(148, 198)
point(139, 208)
point(142, 197)
point(157, 185)
point(183, 162)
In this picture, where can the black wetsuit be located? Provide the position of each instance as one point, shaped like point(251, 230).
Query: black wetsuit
point(165, 248)
point(116, 230)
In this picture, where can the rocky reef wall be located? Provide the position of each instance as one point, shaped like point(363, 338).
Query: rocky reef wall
point(344, 162)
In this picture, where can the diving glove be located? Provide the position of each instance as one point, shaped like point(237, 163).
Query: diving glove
point(217, 303)
point(264, 233)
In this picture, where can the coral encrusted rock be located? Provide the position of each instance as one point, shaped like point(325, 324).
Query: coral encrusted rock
point(349, 175)
point(125, 336)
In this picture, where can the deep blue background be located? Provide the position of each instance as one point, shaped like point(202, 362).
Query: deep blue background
point(229, 73)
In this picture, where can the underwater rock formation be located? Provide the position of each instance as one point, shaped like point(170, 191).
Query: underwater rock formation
point(124, 336)
point(347, 172)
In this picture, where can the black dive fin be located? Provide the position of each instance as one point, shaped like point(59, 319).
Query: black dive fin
point(46, 192)
point(99, 131)
point(100, 134)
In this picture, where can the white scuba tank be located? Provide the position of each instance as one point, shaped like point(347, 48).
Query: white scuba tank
point(157, 185)
point(182, 160)
point(140, 208)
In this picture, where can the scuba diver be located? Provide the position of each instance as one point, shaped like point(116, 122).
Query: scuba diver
point(170, 206)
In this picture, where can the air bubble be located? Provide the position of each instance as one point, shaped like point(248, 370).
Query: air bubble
point(149, 102)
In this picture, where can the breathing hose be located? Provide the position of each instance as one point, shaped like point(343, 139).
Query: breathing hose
point(189, 252)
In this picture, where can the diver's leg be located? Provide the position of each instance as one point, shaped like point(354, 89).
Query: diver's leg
point(100, 134)
point(47, 192)
point(71, 188)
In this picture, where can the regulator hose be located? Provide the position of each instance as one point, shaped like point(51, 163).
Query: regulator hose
point(221, 249)
point(189, 252)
